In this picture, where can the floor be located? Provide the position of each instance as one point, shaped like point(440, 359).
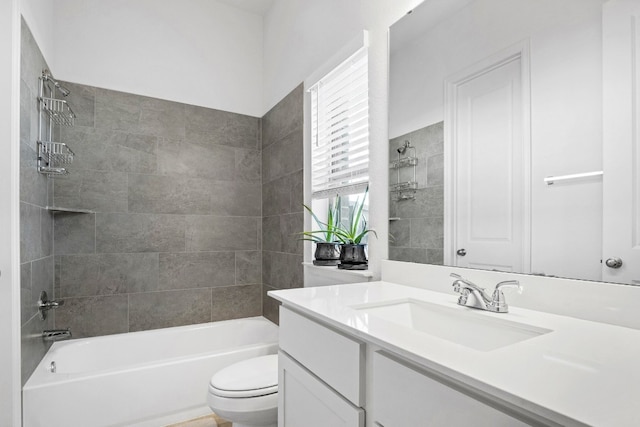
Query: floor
point(207, 421)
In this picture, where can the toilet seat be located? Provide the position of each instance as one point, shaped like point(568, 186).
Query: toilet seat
point(248, 378)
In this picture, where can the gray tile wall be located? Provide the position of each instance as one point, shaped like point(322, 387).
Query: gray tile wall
point(282, 198)
point(36, 223)
point(177, 230)
point(419, 228)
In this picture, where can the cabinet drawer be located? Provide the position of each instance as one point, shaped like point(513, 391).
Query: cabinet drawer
point(404, 396)
point(333, 357)
point(303, 400)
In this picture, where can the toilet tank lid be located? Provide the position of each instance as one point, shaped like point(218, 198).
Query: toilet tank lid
point(251, 374)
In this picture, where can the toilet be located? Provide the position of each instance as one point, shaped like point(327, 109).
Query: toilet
point(246, 393)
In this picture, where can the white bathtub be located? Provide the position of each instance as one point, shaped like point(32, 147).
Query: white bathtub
point(143, 379)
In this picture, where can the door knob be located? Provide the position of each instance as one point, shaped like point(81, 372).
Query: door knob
point(614, 262)
point(461, 252)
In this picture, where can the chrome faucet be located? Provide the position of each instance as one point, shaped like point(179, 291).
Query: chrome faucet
point(472, 295)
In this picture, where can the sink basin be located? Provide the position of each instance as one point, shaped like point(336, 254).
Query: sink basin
point(462, 326)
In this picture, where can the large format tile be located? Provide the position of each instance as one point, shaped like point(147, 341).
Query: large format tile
point(31, 60)
point(46, 232)
point(139, 114)
point(206, 126)
point(101, 191)
point(33, 185)
point(153, 310)
point(284, 118)
point(212, 233)
point(408, 254)
point(282, 271)
point(167, 194)
point(198, 160)
point(119, 232)
point(105, 274)
point(270, 306)
point(271, 233)
point(248, 165)
point(281, 233)
point(283, 157)
point(82, 100)
point(94, 316)
point(195, 196)
point(109, 150)
point(28, 113)
point(42, 278)
point(400, 233)
point(297, 192)
point(30, 227)
point(248, 267)
point(27, 305)
point(280, 195)
point(291, 225)
point(427, 233)
point(429, 202)
point(435, 256)
point(235, 302)
point(196, 270)
point(435, 170)
point(236, 198)
point(74, 233)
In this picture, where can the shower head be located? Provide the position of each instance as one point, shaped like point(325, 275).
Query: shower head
point(63, 90)
point(403, 149)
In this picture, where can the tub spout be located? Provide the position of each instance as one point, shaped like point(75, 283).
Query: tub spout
point(56, 334)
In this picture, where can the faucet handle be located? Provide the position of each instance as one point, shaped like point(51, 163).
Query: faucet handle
point(498, 301)
point(510, 283)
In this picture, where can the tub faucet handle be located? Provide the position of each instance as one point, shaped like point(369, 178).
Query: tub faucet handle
point(44, 304)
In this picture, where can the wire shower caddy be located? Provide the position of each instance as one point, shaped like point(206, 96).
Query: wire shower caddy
point(52, 156)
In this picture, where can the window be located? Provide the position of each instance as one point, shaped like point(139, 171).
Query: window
point(340, 130)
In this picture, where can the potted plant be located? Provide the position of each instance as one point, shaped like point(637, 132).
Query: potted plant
point(352, 250)
point(327, 243)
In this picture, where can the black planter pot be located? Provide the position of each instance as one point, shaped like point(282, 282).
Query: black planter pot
point(327, 254)
point(353, 257)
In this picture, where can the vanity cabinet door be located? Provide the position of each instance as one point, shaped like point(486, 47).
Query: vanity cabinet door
point(404, 397)
point(304, 400)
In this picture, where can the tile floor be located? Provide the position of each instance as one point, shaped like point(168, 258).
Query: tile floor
point(207, 421)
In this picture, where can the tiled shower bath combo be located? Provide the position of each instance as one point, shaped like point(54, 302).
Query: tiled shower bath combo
point(417, 224)
point(193, 213)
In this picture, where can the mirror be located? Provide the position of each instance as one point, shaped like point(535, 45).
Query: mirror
point(496, 140)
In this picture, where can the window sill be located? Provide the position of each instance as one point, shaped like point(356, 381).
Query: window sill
point(366, 275)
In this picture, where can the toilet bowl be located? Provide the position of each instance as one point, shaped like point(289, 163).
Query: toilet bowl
point(246, 393)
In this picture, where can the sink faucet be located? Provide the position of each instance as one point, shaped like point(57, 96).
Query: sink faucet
point(472, 295)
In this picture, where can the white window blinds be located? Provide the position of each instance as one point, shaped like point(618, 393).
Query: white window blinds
point(340, 129)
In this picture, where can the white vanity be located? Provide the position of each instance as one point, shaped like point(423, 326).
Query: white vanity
point(383, 354)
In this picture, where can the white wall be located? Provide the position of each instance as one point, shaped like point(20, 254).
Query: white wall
point(199, 52)
point(566, 110)
point(9, 214)
point(301, 35)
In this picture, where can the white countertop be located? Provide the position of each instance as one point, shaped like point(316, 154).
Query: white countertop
point(581, 372)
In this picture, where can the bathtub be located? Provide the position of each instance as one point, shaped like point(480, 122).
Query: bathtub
point(142, 379)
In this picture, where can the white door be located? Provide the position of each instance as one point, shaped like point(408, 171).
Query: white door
point(490, 179)
point(621, 131)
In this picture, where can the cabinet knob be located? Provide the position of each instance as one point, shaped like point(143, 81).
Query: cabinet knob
point(461, 252)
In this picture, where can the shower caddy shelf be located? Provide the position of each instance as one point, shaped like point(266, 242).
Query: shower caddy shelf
point(404, 190)
point(52, 156)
